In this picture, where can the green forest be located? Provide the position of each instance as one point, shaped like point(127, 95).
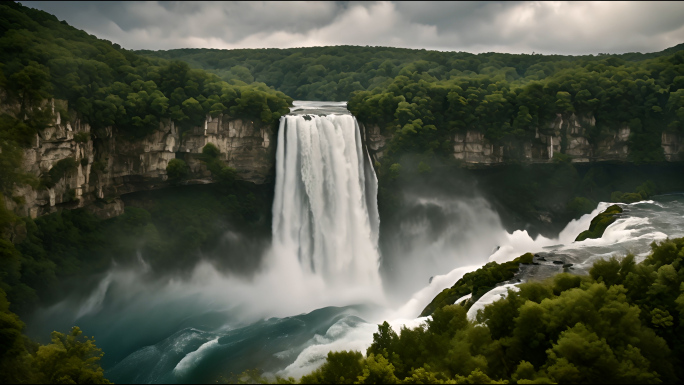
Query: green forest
point(621, 324)
point(104, 85)
point(422, 97)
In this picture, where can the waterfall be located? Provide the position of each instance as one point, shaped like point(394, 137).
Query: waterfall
point(325, 215)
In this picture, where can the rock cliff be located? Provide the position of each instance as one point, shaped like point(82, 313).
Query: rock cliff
point(567, 135)
point(107, 165)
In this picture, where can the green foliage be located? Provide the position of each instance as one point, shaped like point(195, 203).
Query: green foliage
point(169, 232)
point(644, 191)
point(107, 85)
point(21, 133)
point(98, 166)
point(14, 359)
point(621, 324)
point(424, 97)
point(339, 368)
point(224, 175)
point(579, 206)
point(69, 359)
point(14, 135)
point(82, 137)
point(60, 169)
point(210, 151)
point(177, 169)
point(477, 283)
point(600, 223)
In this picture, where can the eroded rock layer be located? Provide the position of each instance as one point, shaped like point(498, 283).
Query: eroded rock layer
point(108, 165)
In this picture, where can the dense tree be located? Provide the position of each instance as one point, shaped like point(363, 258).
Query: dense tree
point(620, 324)
point(107, 85)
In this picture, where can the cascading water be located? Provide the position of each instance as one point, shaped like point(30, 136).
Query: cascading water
point(325, 208)
point(324, 253)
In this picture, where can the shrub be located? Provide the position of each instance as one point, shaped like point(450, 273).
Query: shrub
point(61, 168)
point(210, 151)
point(579, 206)
point(99, 166)
point(82, 137)
point(177, 169)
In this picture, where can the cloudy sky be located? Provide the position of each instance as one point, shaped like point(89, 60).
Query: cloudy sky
point(515, 27)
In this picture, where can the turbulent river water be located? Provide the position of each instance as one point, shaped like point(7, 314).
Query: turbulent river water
point(320, 288)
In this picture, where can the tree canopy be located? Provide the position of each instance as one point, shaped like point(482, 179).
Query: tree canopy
point(622, 323)
point(42, 57)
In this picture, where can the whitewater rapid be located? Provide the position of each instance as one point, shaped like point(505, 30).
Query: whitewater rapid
point(642, 223)
point(319, 288)
point(325, 213)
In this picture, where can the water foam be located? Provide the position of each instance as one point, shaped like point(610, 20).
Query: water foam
point(325, 217)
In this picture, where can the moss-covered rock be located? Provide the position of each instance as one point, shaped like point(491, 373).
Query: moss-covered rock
point(600, 223)
point(477, 282)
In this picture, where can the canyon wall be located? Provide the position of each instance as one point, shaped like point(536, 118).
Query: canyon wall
point(108, 165)
point(566, 135)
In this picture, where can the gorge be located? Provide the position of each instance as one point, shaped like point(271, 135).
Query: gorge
point(413, 217)
point(324, 262)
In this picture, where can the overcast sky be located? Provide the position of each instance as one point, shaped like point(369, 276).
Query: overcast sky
point(515, 27)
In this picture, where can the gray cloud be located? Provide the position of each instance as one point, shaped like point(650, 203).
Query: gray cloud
point(515, 27)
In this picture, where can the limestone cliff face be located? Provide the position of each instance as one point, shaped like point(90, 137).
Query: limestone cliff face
point(566, 135)
point(108, 165)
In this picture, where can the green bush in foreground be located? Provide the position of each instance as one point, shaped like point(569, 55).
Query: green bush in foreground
point(623, 323)
point(69, 359)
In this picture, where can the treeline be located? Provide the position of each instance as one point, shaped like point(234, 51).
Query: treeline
point(42, 57)
point(621, 324)
point(423, 97)
point(423, 112)
point(170, 229)
point(333, 73)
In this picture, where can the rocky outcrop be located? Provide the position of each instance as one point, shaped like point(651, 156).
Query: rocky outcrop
point(107, 165)
point(374, 139)
point(566, 134)
point(673, 146)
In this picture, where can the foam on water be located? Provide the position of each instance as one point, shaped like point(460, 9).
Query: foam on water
point(192, 359)
point(325, 221)
point(324, 254)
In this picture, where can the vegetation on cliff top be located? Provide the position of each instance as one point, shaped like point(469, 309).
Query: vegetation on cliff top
point(43, 58)
point(107, 85)
point(622, 323)
point(423, 112)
